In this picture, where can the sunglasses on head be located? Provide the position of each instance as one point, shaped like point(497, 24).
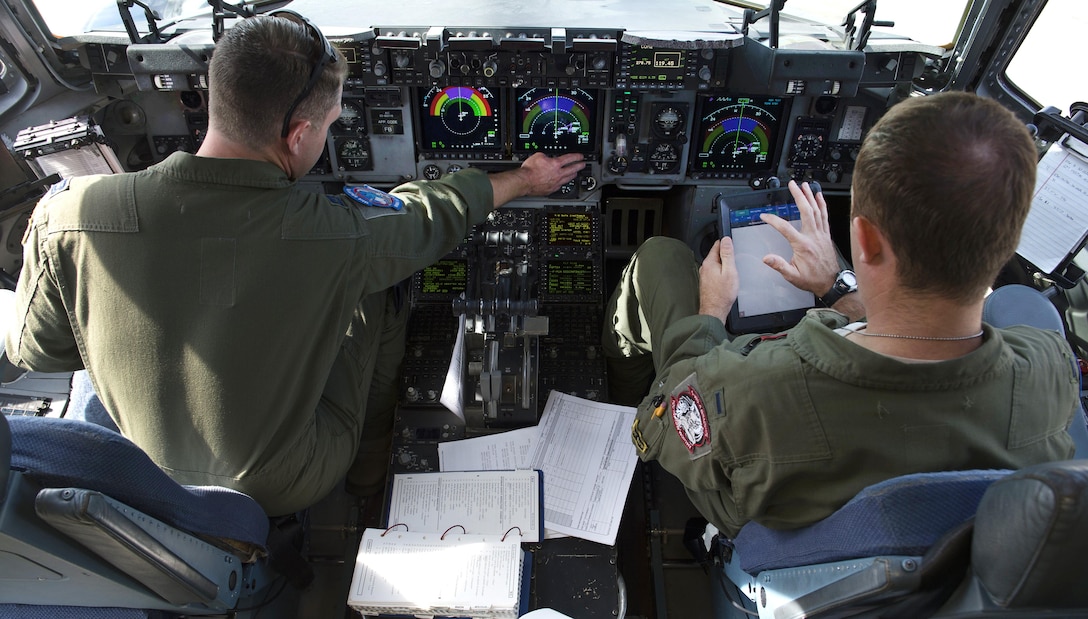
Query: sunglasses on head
point(328, 56)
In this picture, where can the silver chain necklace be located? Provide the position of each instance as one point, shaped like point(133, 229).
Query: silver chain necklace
point(958, 338)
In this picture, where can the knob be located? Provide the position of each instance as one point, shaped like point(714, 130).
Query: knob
point(600, 63)
point(490, 68)
point(437, 68)
point(401, 61)
point(833, 175)
point(704, 73)
point(379, 69)
point(617, 165)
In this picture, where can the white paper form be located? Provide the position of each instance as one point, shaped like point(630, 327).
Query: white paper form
point(1058, 220)
point(493, 452)
point(402, 572)
point(477, 502)
point(585, 452)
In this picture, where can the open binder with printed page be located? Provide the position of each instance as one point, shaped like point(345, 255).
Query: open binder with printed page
point(453, 546)
point(1056, 228)
point(440, 574)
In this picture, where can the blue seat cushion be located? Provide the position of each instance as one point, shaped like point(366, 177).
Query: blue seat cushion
point(900, 516)
point(62, 453)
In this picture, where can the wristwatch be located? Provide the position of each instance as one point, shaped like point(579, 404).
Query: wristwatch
point(845, 283)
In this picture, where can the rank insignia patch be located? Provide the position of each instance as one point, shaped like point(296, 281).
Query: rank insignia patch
point(689, 418)
point(368, 196)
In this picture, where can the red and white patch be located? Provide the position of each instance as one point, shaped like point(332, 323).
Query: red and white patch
point(689, 418)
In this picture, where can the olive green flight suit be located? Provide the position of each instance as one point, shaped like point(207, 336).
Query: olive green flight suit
point(209, 300)
point(785, 431)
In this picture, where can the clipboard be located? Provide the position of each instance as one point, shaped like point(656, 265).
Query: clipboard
point(1056, 229)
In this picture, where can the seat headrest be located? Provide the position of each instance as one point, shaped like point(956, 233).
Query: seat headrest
point(1031, 537)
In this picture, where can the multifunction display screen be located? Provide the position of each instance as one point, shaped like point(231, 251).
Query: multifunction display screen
point(737, 134)
point(570, 277)
point(556, 119)
point(460, 118)
point(445, 277)
point(570, 229)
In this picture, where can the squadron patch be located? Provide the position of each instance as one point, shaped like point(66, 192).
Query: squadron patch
point(689, 418)
point(56, 188)
point(368, 196)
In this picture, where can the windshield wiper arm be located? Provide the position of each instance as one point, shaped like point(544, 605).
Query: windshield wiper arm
point(751, 17)
point(220, 10)
point(154, 35)
point(868, 7)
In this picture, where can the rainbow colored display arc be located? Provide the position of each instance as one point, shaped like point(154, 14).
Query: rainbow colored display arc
point(460, 94)
point(555, 104)
point(737, 124)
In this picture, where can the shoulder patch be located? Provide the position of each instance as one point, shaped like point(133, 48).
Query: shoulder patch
point(368, 196)
point(56, 188)
point(689, 419)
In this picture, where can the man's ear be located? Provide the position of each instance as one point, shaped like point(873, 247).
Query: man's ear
point(871, 246)
point(296, 132)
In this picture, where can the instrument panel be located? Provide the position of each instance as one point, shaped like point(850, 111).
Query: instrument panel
point(646, 107)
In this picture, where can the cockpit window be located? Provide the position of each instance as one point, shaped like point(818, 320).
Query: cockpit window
point(933, 22)
point(72, 17)
point(1057, 33)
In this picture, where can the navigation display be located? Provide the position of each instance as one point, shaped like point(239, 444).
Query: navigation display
point(556, 119)
point(460, 118)
point(737, 134)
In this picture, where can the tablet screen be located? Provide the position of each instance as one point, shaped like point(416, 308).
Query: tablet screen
point(765, 301)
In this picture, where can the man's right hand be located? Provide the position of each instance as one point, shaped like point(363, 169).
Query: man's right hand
point(815, 261)
point(539, 175)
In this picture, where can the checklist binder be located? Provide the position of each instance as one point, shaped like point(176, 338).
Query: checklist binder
point(400, 572)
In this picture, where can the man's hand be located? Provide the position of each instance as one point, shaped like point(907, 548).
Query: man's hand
point(539, 175)
point(718, 280)
point(815, 262)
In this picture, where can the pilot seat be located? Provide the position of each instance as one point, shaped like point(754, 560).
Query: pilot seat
point(91, 527)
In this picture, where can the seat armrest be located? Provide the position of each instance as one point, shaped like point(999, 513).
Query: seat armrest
point(130, 540)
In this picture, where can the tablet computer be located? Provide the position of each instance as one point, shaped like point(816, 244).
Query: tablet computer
point(766, 302)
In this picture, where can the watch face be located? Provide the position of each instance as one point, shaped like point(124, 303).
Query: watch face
point(849, 279)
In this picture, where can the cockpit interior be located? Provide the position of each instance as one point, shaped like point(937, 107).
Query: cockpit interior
point(678, 108)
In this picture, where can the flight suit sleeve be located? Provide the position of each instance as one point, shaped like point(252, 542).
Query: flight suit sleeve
point(428, 219)
point(675, 424)
point(40, 337)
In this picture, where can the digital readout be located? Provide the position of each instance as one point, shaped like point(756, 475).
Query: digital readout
point(570, 277)
point(444, 277)
point(570, 229)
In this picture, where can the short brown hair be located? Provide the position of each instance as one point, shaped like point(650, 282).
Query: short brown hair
point(259, 67)
point(948, 179)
